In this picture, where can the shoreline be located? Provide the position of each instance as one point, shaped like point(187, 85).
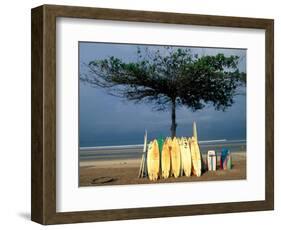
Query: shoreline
point(102, 153)
point(125, 171)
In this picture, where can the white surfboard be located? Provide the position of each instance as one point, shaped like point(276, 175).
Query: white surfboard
point(186, 162)
point(212, 160)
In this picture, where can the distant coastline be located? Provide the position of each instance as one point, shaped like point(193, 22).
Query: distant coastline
point(141, 145)
point(135, 151)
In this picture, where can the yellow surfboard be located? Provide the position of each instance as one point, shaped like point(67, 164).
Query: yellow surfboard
point(195, 156)
point(180, 141)
point(186, 162)
point(175, 158)
point(166, 159)
point(153, 160)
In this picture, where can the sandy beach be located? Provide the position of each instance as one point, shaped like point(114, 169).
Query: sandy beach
point(125, 171)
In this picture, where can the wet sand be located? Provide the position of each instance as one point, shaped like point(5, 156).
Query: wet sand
point(125, 171)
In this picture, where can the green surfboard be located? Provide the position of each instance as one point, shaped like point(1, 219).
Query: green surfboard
point(160, 141)
point(229, 161)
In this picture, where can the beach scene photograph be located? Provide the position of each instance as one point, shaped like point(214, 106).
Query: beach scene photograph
point(152, 114)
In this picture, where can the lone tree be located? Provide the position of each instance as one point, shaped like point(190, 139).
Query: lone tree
point(169, 78)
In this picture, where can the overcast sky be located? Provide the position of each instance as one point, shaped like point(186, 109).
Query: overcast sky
point(107, 120)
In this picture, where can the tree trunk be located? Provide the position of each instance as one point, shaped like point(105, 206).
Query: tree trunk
point(174, 124)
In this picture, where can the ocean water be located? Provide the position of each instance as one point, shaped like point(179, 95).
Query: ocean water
point(118, 137)
point(135, 151)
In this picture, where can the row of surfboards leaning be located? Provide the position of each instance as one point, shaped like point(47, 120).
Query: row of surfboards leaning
point(174, 157)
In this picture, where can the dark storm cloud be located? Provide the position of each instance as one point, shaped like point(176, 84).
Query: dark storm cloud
point(107, 120)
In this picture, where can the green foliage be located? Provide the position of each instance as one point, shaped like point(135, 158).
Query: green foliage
point(170, 76)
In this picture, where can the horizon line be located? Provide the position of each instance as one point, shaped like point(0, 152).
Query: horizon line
point(141, 145)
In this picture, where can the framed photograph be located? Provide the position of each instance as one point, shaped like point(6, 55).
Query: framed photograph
point(140, 114)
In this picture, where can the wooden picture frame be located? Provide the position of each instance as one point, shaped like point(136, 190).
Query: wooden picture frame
point(43, 170)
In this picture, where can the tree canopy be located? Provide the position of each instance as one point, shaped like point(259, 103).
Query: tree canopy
point(170, 78)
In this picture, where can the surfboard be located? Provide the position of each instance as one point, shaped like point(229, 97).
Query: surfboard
point(223, 159)
point(160, 142)
point(229, 161)
point(180, 144)
point(195, 131)
point(153, 160)
point(186, 162)
point(211, 160)
point(196, 157)
point(175, 158)
point(142, 170)
point(166, 159)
